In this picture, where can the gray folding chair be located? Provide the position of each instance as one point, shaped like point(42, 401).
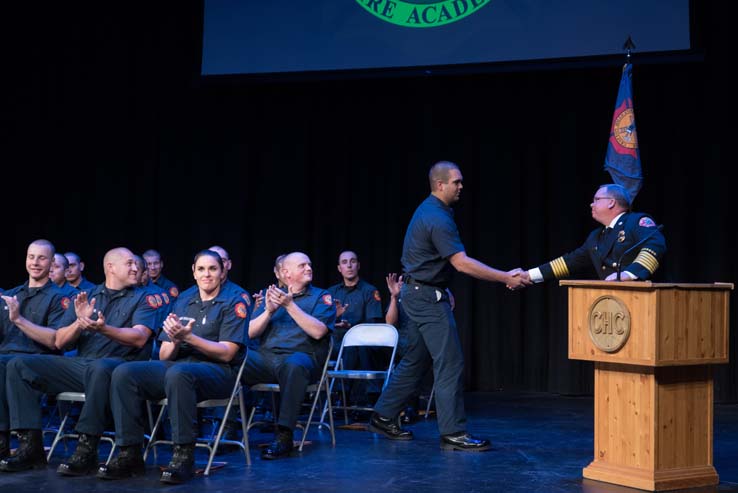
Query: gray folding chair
point(313, 390)
point(211, 443)
point(61, 434)
point(366, 335)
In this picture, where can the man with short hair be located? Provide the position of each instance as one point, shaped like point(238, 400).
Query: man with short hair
point(110, 325)
point(612, 246)
point(74, 272)
point(357, 302)
point(154, 268)
point(294, 325)
point(57, 274)
point(431, 251)
point(29, 316)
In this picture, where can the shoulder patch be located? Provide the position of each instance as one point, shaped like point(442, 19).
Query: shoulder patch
point(377, 296)
point(151, 301)
point(65, 302)
point(327, 299)
point(173, 292)
point(246, 298)
point(241, 311)
point(646, 222)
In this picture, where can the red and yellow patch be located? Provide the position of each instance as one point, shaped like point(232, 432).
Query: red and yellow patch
point(159, 302)
point(241, 310)
point(246, 298)
point(377, 296)
point(327, 299)
point(173, 292)
point(165, 297)
point(65, 302)
point(151, 301)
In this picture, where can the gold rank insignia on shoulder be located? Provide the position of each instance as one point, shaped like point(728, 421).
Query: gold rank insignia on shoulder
point(621, 236)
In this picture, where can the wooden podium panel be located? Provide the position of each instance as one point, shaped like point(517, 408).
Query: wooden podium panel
point(653, 404)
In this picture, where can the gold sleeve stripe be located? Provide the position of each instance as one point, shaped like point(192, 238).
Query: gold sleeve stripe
point(647, 259)
point(559, 268)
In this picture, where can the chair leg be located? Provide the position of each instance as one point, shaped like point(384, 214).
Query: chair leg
point(244, 428)
point(60, 432)
point(153, 440)
point(430, 399)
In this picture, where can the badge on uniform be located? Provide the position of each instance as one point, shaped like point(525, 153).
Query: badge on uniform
point(646, 222)
point(438, 295)
point(621, 236)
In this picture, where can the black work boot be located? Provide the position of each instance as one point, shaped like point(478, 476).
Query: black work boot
point(30, 453)
point(84, 459)
point(129, 462)
point(281, 446)
point(182, 466)
point(4, 444)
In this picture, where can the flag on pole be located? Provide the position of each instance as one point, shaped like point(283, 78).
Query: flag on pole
point(623, 159)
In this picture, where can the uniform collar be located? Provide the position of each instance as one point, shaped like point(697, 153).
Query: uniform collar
point(615, 220)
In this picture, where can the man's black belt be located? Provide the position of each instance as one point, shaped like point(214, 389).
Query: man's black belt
point(410, 280)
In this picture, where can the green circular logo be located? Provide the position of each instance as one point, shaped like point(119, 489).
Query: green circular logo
point(422, 13)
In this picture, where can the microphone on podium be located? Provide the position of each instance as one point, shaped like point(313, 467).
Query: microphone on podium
point(637, 244)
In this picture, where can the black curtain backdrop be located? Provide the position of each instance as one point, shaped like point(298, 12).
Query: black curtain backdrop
point(110, 138)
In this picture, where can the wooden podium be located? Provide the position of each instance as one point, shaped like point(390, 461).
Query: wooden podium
point(652, 345)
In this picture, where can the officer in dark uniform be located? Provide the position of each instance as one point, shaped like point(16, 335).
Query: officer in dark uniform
point(359, 302)
point(200, 356)
point(74, 273)
point(629, 242)
point(109, 326)
point(154, 266)
point(29, 315)
point(295, 327)
point(57, 274)
point(431, 251)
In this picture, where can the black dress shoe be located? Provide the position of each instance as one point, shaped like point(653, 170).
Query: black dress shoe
point(84, 459)
point(464, 442)
point(388, 427)
point(129, 462)
point(30, 453)
point(281, 446)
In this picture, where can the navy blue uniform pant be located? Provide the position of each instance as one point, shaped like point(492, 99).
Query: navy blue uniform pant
point(183, 383)
point(28, 377)
point(292, 371)
point(432, 338)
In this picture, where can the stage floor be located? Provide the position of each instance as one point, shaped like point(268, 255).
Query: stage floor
point(541, 442)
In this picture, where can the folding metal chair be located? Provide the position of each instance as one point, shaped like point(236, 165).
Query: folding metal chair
point(312, 389)
point(61, 434)
point(366, 335)
point(211, 444)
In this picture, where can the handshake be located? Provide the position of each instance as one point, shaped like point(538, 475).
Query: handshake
point(517, 279)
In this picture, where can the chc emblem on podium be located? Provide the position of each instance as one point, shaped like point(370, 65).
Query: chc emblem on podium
point(609, 323)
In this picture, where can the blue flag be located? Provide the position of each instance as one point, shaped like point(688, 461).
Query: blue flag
point(623, 159)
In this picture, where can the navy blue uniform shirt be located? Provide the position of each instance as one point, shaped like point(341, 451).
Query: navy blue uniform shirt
point(224, 318)
point(124, 308)
point(431, 238)
point(283, 335)
point(364, 302)
point(168, 286)
point(85, 285)
point(42, 306)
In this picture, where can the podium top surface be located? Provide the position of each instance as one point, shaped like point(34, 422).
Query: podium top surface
point(645, 284)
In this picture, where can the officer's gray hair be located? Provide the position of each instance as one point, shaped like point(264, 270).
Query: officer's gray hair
point(440, 172)
point(619, 193)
